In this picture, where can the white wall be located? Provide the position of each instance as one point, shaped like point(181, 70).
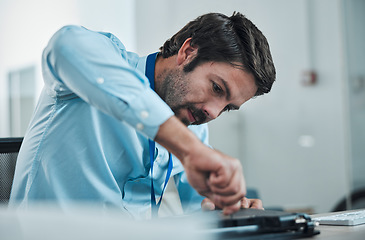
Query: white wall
point(26, 26)
point(293, 142)
point(355, 42)
point(296, 136)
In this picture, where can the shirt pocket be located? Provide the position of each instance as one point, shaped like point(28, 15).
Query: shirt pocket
point(138, 191)
point(137, 197)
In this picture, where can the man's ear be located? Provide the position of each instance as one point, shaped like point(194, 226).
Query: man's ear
point(186, 52)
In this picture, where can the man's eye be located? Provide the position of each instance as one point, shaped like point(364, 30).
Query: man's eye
point(217, 88)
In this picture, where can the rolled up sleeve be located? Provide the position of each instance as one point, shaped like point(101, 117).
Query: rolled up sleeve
point(90, 66)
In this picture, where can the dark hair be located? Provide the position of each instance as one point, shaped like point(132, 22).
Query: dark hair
point(235, 40)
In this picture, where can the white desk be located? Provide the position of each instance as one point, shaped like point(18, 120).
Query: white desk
point(85, 223)
point(45, 223)
point(339, 232)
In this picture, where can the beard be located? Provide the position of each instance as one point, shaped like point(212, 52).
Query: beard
point(173, 90)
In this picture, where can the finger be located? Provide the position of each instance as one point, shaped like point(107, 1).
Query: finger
point(227, 210)
point(245, 203)
point(222, 201)
point(201, 183)
point(236, 185)
point(256, 203)
point(233, 193)
point(207, 205)
point(221, 178)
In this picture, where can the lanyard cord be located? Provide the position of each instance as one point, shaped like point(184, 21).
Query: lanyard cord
point(150, 74)
point(155, 206)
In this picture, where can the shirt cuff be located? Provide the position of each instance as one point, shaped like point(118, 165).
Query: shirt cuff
point(147, 113)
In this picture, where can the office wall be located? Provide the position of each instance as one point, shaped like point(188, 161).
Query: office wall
point(26, 27)
point(355, 43)
point(293, 143)
point(297, 137)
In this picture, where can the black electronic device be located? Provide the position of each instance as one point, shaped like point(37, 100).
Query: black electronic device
point(262, 224)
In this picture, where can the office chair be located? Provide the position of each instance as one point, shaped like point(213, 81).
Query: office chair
point(9, 148)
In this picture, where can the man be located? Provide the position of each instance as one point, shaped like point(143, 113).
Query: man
point(102, 131)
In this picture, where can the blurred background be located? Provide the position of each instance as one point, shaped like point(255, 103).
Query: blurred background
point(302, 146)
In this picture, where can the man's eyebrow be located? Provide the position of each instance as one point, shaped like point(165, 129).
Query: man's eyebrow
point(228, 93)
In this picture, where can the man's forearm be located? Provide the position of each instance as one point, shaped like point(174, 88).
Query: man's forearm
point(212, 173)
point(177, 138)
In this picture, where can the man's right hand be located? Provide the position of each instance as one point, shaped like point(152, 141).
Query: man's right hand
point(216, 176)
point(212, 173)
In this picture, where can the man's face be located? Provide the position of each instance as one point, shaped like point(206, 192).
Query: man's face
point(206, 92)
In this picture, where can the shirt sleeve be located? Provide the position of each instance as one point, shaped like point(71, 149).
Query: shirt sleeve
point(89, 65)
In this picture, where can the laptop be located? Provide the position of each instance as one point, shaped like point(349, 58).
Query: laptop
point(261, 224)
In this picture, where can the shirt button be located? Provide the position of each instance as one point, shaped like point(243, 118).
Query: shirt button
point(139, 126)
point(144, 114)
point(100, 80)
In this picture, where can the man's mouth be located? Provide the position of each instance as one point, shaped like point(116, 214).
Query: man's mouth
point(191, 116)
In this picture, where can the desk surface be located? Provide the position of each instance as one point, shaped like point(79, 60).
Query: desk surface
point(39, 224)
point(339, 232)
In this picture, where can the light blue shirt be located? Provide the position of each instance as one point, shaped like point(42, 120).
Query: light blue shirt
point(88, 138)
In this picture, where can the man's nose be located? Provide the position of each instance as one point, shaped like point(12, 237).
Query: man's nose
point(212, 111)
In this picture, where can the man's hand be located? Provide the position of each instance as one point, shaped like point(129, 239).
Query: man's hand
point(208, 205)
point(212, 173)
point(216, 176)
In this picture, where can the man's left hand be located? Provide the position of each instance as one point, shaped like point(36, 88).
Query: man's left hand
point(208, 205)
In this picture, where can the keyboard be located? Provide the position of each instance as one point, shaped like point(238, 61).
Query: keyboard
point(351, 218)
